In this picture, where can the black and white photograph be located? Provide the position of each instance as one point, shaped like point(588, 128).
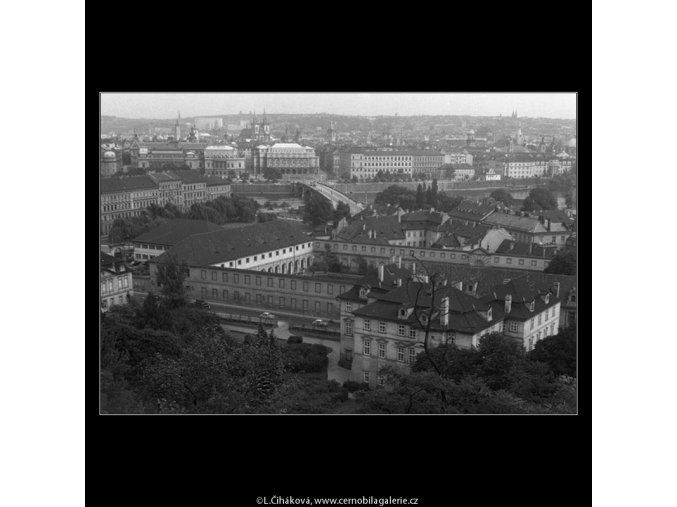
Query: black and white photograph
point(338, 253)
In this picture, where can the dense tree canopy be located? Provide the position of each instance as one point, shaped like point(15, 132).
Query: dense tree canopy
point(271, 173)
point(496, 377)
point(423, 198)
point(342, 211)
point(219, 211)
point(539, 199)
point(558, 352)
point(563, 263)
point(317, 210)
point(502, 195)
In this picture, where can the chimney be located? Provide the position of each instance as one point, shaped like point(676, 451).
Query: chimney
point(548, 224)
point(399, 282)
point(380, 273)
point(508, 303)
point(444, 311)
point(364, 227)
point(556, 284)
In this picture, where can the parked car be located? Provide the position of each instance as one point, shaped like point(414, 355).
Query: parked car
point(266, 315)
point(320, 323)
point(200, 303)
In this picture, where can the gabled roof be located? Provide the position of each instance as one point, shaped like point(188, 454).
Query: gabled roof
point(126, 183)
point(107, 260)
point(174, 231)
point(188, 176)
point(509, 246)
point(527, 224)
point(382, 230)
point(229, 244)
point(463, 309)
point(524, 291)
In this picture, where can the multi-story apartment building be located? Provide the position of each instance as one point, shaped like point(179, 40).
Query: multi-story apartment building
point(520, 165)
point(169, 188)
point(116, 282)
point(223, 161)
point(463, 172)
point(216, 187)
point(426, 162)
point(460, 157)
point(530, 313)
point(365, 164)
point(384, 320)
point(291, 159)
point(561, 164)
point(125, 198)
point(530, 229)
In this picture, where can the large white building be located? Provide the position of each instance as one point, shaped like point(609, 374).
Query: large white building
point(383, 318)
point(291, 159)
point(223, 161)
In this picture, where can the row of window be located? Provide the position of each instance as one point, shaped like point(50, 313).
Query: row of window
point(105, 303)
point(270, 282)
point(107, 285)
point(548, 331)
point(260, 299)
point(404, 354)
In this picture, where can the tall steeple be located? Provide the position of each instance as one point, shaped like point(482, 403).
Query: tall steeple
point(177, 128)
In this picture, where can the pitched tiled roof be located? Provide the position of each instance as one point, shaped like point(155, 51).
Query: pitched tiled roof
point(463, 309)
point(126, 183)
point(433, 217)
point(107, 260)
point(509, 246)
point(174, 231)
point(384, 229)
point(527, 224)
point(228, 244)
point(523, 291)
point(391, 273)
point(188, 176)
point(476, 208)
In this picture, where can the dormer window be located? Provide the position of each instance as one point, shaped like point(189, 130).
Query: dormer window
point(489, 316)
point(532, 306)
point(403, 313)
point(547, 299)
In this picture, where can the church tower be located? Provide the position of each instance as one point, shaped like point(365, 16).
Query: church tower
point(177, 128)
point(331, 133)
point(266, 127)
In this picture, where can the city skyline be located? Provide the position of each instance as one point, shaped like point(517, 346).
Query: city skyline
point(167, 105)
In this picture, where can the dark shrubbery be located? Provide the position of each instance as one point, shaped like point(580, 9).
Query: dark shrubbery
point(304, 357)
point(295, 339)
point(352, 386)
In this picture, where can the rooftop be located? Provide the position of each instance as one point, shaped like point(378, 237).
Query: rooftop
point(174, 231)
point(226, 245)
point(126, 183)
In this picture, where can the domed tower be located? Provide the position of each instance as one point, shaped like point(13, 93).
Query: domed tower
point(470, 139)
point(109, 165)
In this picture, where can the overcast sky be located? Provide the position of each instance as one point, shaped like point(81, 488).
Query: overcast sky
point(167, 105)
